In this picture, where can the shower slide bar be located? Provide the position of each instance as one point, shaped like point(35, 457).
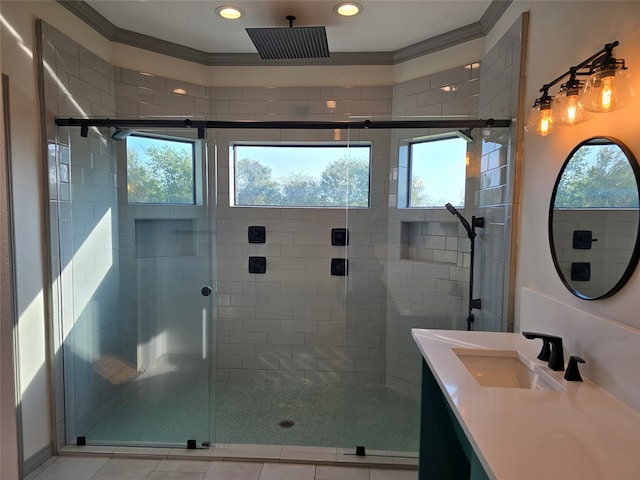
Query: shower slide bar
point(201, 125)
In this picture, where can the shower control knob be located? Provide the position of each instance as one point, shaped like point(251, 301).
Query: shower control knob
point(206, 291)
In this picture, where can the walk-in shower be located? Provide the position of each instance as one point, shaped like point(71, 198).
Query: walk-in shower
point(177, 343)
point(202, 317)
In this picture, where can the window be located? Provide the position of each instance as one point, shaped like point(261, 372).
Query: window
point(301, 175)
point(160, 170)
point(436, 172)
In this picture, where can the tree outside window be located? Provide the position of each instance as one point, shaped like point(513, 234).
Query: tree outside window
point(437, 172)
point(160, 170)
point(301, 176)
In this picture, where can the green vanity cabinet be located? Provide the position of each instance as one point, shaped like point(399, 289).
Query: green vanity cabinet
point(445, 451)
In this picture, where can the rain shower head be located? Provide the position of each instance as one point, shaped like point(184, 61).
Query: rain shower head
point(285, 43)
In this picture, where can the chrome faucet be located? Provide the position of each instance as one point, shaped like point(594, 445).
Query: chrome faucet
point(551, 349)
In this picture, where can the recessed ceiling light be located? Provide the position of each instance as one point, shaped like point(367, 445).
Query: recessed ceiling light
point(347, 9)
point(180, 91)
point(229, 13)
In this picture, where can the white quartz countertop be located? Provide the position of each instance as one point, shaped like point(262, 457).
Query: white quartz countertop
point(577, 432)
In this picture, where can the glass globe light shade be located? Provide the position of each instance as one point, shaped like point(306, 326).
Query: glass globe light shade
point(566, 108)
point(540, 120)
point(607, 90)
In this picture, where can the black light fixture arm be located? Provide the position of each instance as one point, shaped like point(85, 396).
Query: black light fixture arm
point(604, 56)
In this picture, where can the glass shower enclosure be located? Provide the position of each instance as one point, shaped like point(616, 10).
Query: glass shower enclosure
point(137, 289)
point(173, 325)
point(193, 319)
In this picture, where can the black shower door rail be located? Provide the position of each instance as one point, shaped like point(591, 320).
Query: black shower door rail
point(201, 125)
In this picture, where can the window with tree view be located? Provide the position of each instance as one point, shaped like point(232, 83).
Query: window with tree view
point(301, 175)
point(160, 170)
point(437, 172)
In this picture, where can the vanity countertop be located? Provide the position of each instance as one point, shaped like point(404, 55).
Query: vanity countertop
point(578, 432)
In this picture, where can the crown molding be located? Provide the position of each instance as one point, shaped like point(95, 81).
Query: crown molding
point(111, 32)
point(439, 42)
point(493, 13)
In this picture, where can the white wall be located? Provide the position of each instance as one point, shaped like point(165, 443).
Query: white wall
point(604, 332)
point(8, 424)
point(18, 47)
point(555, 44)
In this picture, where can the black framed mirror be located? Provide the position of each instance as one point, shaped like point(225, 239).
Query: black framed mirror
point(594, 218)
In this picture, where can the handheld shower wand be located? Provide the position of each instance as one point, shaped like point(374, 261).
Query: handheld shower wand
point(471, 233)
point(463, 220)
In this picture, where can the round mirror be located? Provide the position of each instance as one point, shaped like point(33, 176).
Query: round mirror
point(594, 218)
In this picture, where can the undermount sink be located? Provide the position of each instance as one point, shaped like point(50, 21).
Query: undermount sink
point(505, 369)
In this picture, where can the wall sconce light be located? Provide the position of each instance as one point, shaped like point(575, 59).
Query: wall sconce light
point(566, 108)
point(540, 119)
point(607, 89)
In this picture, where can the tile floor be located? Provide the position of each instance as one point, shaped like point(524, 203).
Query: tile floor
point(113, 468)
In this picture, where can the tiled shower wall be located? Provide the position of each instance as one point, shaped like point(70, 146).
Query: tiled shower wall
point(500, 80)
point(84, 233)
point(165, 253)
point(425, 293)
point(428, 257)
point(297, 322)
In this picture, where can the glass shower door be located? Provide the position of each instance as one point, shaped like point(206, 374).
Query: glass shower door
point(381, 414)
point(139, 352)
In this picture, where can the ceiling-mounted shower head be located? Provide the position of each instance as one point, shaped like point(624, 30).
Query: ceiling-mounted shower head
point(285, 43)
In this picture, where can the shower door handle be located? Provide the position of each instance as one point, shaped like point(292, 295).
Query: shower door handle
point(206, 291)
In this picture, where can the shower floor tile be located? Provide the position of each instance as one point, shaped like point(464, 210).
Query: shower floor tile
point(312, 415)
